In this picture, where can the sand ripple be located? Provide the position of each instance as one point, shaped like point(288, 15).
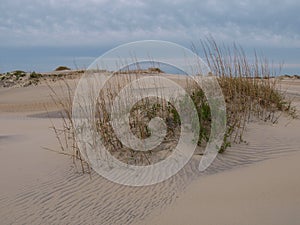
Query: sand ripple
point(67, 197)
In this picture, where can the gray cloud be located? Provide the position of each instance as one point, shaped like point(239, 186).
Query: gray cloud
point(82, 22)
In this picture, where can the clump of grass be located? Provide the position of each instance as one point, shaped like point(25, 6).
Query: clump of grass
point(249, 88)
point(140, 115)
point(62, 96)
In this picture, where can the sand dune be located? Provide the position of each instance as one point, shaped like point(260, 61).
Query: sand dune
point(42, 187)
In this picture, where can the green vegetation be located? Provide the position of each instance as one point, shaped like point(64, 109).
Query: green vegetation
point(10, 78)
point(18, 74)
point(35, 75)
point(15, 74)
point(61, 68)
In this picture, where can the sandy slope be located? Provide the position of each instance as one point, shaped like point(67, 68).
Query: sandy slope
point(264, 193)
point(41, 187)
point(267, 192)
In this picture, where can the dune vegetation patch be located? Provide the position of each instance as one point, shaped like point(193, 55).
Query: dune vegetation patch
point(250, 91)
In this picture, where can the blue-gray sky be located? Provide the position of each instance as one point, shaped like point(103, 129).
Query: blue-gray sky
point(40, 35)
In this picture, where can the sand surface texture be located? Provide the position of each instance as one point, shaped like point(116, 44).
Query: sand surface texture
point(253, 183)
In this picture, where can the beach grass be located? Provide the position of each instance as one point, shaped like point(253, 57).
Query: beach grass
point(250, 90)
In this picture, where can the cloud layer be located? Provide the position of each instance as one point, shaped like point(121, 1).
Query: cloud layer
point(87, 23)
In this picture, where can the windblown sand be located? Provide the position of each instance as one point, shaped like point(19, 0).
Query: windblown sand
point(253, 183)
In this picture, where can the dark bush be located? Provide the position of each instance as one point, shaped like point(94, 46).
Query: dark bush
point(60, 68)
point(34, 75)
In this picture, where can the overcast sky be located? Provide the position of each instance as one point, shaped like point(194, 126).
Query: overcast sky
point(86, 28)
